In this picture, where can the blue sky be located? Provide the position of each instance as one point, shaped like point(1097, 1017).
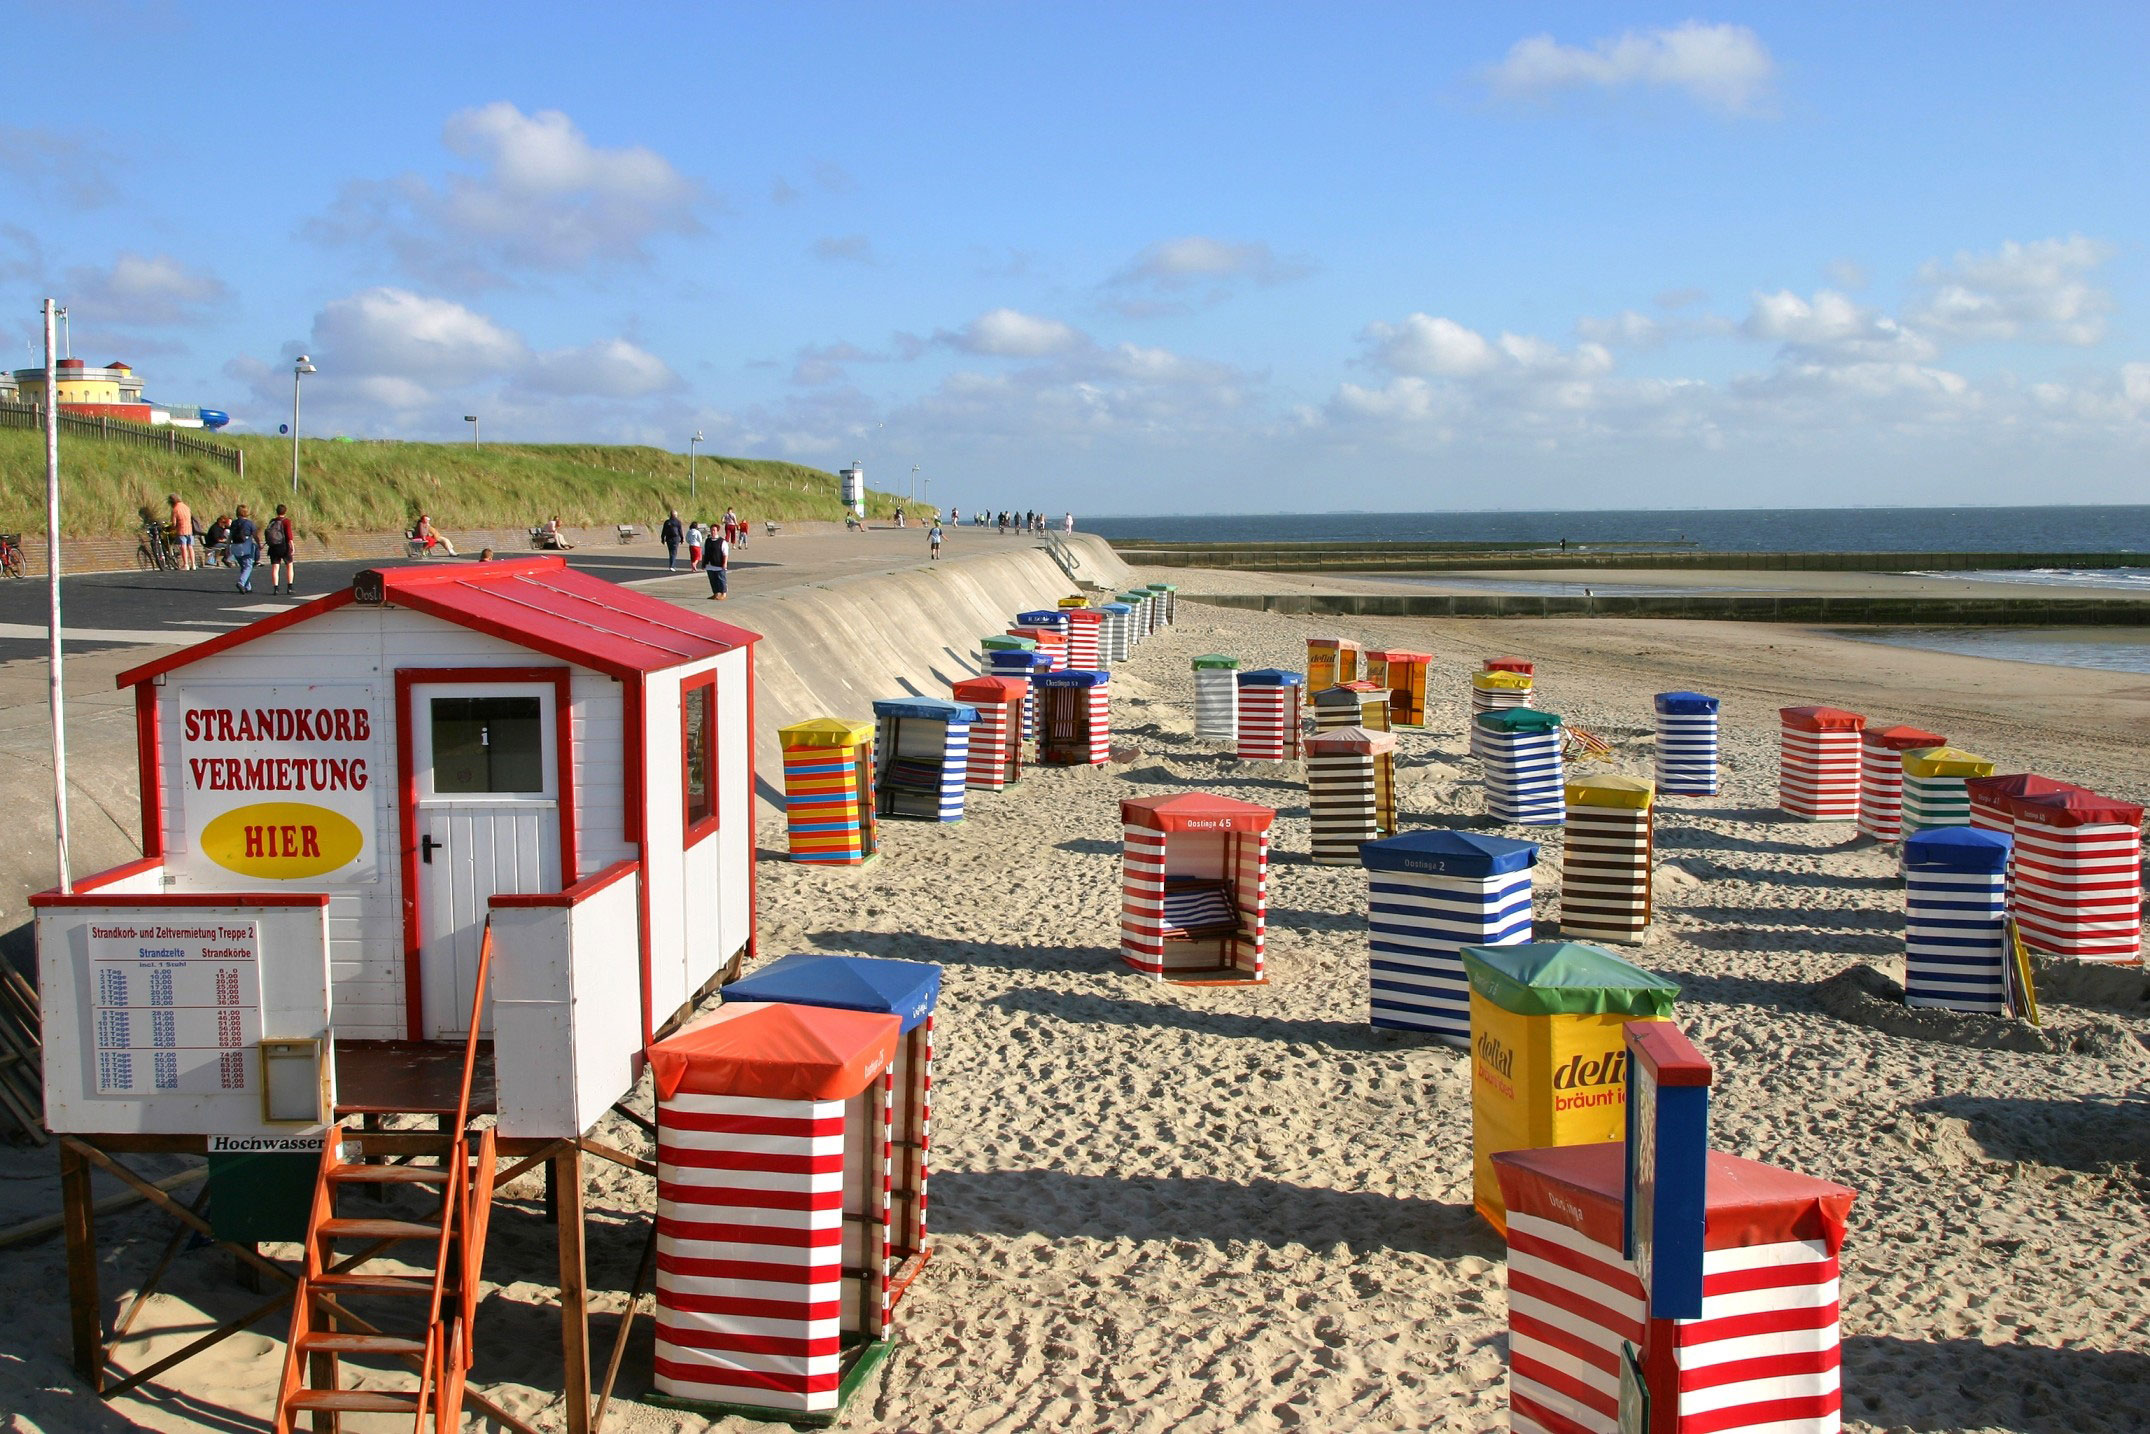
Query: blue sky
point(1131, 258)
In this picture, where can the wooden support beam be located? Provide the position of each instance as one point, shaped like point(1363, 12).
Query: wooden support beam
point(84, 1306)
point(172, 1207)
point(643, 1276)
point(149, 1285)
point(618, 1157)
point(566, 1168)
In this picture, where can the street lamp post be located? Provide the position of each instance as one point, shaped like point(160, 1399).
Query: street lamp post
point(914, 485)
point(300, 368)
point(472, 420)
point(694, 490)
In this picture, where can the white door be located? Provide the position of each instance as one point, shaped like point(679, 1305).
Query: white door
point(484, 763)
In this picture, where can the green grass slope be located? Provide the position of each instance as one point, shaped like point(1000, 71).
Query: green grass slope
point(382, 486)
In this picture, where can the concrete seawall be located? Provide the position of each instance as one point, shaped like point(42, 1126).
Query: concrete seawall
point(1847, 611)
point(1437, 557)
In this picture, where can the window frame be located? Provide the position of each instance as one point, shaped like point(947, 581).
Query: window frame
point(691, 829)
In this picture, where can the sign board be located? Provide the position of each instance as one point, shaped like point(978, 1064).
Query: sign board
point(1634, 1391)
point(176, 1004)
point(265, 1144)
point(1664, 1213)
point(275, 782)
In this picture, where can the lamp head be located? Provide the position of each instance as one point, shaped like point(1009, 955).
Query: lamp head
point(303, 364)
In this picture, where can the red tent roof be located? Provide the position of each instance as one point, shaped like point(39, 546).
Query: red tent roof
point(1195, 811)
point(1903, 739)
point(2012, 788)
point(990, 689)
point(1823, 719)
point(776, 1051)
point(2078, 808)
point(1745, 1202)
point(539, 603)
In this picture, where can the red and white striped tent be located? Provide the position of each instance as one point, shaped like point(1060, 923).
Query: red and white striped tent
point(2077, 869)
point(1086, 639)
point(1194, 900)
point(1268, 716)
point(1819, 763)
point(1881, 777)
point(773, 1207)
point(1994, 801)
point(1050, 640)
point(995, 760)
point(1074, 718)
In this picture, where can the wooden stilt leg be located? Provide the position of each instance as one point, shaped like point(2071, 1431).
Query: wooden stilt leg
point(566, 1168)
point(84, 1303)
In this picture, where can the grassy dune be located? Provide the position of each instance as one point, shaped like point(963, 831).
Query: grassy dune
point(380, 487)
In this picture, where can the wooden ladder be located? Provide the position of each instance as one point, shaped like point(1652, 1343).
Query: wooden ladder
point(439, 1348)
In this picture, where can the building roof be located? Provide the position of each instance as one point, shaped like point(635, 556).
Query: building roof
point(539, 603)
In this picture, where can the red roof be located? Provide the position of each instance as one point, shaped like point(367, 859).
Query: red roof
point(1745, 1202)
point(989, 689)
point(2075, 809)
point(1195, 811)
point(540, 603)
point(1903, 739)
point(1822, 719)
point(2009, 789)
point(776, 1051)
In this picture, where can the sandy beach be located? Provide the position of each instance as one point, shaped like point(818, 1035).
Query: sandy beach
point(1158, 1208)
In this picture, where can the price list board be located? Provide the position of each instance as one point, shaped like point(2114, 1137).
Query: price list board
point(175, 1008)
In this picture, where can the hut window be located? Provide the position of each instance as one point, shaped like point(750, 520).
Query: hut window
point(487, 745)
point(698, 740)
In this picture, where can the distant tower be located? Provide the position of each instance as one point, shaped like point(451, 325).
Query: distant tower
point(854, 488)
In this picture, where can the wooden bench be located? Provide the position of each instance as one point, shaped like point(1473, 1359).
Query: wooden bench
point(537, 538)
point(628, 532)
point(772, 529)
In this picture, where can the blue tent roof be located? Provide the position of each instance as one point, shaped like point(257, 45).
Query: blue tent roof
point(1685, 703)
point(1271, 677)
point(1447, 853)
point(1071, 677)
point(1042, 617)
point(907, 990)
point(1019, 660)
point(937, 708)
point(1964, 849)
point(1116, 607)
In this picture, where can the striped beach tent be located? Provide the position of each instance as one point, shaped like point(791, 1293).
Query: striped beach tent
point(1167, 609)
point(1086, 639)
point(773, 1208)
point(995, 760)
point(1686, 744)
point(1429, 895)
point(1268, 718)
point(1051, 641)
point(909, 991)
point(1194, 902)
point(1956, 948)
point(828, 790)
point(1116, 637)
point(1053, 618)
point(1352, 704)
point(1074, 718)
point(1819, 763)
point(1142, 620)
point(1605, 862)
point(1934, 790)
point(1524, 771)
point(921, 757)
point(1025, 664)
point(1216, 698)
point(1496, 690)
point(1881, 777)
point(2076, 876)
point(1351, 791)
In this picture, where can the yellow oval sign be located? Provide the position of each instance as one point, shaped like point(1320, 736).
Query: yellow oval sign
point(282, 841)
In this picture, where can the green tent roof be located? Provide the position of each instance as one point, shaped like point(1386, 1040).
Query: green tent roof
point(1518, 719)
point(1552, 978)
point(1215, 660)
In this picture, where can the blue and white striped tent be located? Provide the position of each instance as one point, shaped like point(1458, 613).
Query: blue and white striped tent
point(1049, 617)
point(1686, 745)
point(921, 757)
point(1119, 637)
point(1429, 894)
point(1955, 911)
point(1026, 665)
point(1525, 777)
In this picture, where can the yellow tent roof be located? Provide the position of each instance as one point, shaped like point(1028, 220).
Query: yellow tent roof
point(1635, 793)
point(1945, 762)
point(826, 732)
point(1501, 681)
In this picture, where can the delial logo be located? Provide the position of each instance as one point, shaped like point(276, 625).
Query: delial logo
point(1495, 1056)
point(1608, 1069)
point(282, 841)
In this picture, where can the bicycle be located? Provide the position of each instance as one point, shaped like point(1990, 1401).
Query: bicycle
point(153, 552)
point(11, 560)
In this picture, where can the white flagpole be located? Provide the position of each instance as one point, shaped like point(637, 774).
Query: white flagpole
point(52, 591)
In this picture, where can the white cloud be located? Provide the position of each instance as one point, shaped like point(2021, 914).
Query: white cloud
point(609, 368)
point(1009, 333)
point(1423, 344)
point(1196, 258)
point(541, 198)
point(1722, 67)
point(2039, 290)
point(412, 336)
point(1830, 328)
point(152, 289)
point(1628, 329)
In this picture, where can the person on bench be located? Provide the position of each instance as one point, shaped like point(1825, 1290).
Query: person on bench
point(429, 537)
point(552, 536)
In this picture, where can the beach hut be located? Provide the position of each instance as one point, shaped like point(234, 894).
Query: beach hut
point(1955, 919)
point(774, 1217)
point(1216, 698)
point(1117, 638)
point(1351, 791)
point(1993, 799)
point(1074, 718)
point(1165, 609)
point(1268, 717)
point(1659, 1286)
point(828, 790)
point(1330, 660)
point(1195, 887)
point(1001, 642)
point(1086, 639)
point(921, 757)
point(1519, 665)
point(995, 760)
point(909, 991)
point(1605, 862)
point(1429, 895)
point(1881, 777)
point(1524, 771)
point(1548, 1062)
point(1052, 618)
point(1073, 601)
point(1686, 744)
point(1049, 641)
point(1352, 704)
point(1819, 763)
point(1141, 621)
point(1403, 673)
point(1025, 665)
point(2077, 876)
point(1496, 690)
point(1934, 790)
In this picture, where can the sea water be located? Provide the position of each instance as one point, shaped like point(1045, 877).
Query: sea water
point(2108, 649)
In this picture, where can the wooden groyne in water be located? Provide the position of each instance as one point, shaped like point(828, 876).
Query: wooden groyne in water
point(1509, 557)
point(1850, 610)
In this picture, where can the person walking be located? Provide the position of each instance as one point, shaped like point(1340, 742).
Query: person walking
point(282, 567)
point(717, 561)
point(694, 543)
point(933, 540)
point(1067, 524)
point(245, 547)
point(671, 534)
point(183, 532)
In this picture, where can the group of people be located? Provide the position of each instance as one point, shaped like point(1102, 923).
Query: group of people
point(1026, 521)
point(237, 541)
point(709, 547)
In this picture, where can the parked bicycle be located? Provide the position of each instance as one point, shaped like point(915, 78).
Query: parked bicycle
point(155, 552)
point(11, 560)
